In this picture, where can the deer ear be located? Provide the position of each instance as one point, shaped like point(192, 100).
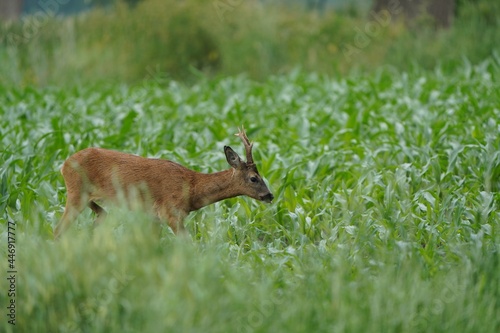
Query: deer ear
point(232, 158)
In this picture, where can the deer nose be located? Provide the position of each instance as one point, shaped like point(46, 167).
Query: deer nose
point(268, 197)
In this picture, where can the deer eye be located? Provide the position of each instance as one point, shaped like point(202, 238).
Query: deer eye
point(253, 179)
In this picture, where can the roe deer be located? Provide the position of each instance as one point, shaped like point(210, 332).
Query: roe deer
point(165, 188)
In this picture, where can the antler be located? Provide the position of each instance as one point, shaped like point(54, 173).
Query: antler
point(247, 143)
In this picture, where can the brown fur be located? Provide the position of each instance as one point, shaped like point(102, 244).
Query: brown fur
point(165, 188)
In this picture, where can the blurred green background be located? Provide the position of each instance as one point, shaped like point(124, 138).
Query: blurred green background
point(78, 42)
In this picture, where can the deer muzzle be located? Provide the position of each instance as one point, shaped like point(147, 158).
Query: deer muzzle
point(267, 197)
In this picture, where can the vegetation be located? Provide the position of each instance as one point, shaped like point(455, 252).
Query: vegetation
point(183, 39)
point(385, 168)
point(385, 218)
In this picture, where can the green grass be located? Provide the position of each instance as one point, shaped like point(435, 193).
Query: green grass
point(385, 218)
point(226, 37)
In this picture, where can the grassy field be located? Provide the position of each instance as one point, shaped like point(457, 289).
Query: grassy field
point(385, 218)
point(228, 37)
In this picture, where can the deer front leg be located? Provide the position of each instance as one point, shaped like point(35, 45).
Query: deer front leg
point(174, 219)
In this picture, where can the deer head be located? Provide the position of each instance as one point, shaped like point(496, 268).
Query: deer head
point(250, 182)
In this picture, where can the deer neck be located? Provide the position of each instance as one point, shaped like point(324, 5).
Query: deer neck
point(213, 187)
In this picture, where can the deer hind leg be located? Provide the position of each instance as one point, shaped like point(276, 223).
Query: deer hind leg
point(99, 212)
point(74, 206)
